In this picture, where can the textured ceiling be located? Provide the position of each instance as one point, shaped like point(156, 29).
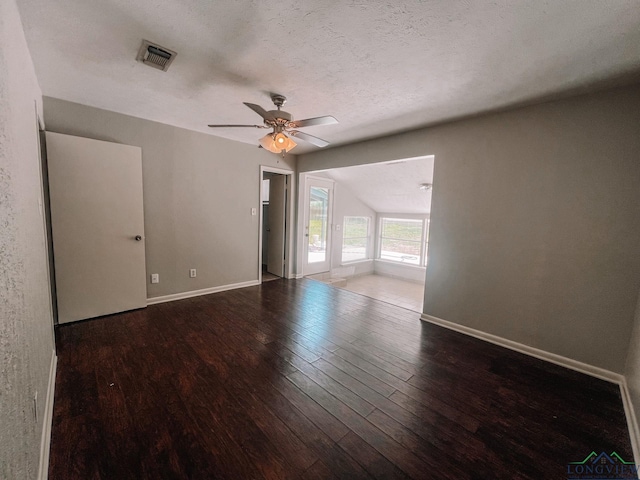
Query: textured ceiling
point(390, 187)
point(378, 66)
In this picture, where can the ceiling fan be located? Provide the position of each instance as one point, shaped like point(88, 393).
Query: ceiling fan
point(284, 126)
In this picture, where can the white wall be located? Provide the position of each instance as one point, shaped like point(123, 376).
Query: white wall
point(198, 194)
point(26, 337)
point(535, 222)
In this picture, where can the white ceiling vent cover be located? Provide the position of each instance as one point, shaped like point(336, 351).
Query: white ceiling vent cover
point(155, 56)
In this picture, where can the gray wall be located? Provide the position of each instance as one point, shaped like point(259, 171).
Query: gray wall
point(26, 338)
point(198, 194)
point(632, 370)
point(535, 225)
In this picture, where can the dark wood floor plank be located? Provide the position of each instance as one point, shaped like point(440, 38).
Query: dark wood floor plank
point(323, 397)
point(437, 458)
point(323, 419)
point(403, 459)
point(297, 379)
point(241, 386)
point(318, 471)
point(82, 455)
point(415, 401)
point(363, 391)
point(461, 395)
point(397, 358)
point(359, 374)
point(298, 349)
point(336, 388)
point(315, 341)
point(225, 416)
point(370, 458)
point(117, 422)
point(313, 435)
point(371, 368)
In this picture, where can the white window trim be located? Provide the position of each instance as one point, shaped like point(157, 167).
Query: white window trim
point(423, 238)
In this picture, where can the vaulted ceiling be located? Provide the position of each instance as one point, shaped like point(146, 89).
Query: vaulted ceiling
point(390, 187)
point(378, 66)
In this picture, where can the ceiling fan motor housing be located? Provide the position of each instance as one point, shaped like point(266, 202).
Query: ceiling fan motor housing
point(281, 115)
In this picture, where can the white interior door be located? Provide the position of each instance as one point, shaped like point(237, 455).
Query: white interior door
point(276, 225)
point(97, 225)
point(317, 229)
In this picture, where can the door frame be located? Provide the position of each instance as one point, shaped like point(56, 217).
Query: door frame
point(45, 212)
point(303, 183)
point(289, 221)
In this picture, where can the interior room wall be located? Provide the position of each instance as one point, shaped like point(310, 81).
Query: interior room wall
point(26, 323)
point(198, 194)
point(535, 221)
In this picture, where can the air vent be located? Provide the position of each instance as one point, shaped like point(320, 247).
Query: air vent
point(155, 56)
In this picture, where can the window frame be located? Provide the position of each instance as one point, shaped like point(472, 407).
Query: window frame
point(367, 240)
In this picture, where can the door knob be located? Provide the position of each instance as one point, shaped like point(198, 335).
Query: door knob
point(138, 238)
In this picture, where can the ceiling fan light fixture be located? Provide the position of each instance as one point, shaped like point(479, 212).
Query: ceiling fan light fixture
point(289, 144)
point(277, 142)
point(268, 143)
point(280, 139)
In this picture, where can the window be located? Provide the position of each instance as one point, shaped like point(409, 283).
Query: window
point(403, 240)
point(355, 239)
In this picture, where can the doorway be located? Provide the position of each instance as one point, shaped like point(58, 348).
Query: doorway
point(379, 216)
point(318, 205)
point(275, 195)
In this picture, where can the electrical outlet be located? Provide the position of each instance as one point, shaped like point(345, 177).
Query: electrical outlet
point(192, 273)
point(155, 278)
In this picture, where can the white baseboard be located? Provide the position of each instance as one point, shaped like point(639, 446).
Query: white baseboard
point(47, 421)
point(632, 420)
point(197, 293)
point(299, 276)
point(581, 367)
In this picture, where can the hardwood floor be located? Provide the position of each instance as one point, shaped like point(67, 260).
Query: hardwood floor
point(297, 379)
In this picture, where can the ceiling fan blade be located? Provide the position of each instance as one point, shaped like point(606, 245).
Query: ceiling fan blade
point(318, 142)
point(259, 110)
point(309, 122)
point(225, 126)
